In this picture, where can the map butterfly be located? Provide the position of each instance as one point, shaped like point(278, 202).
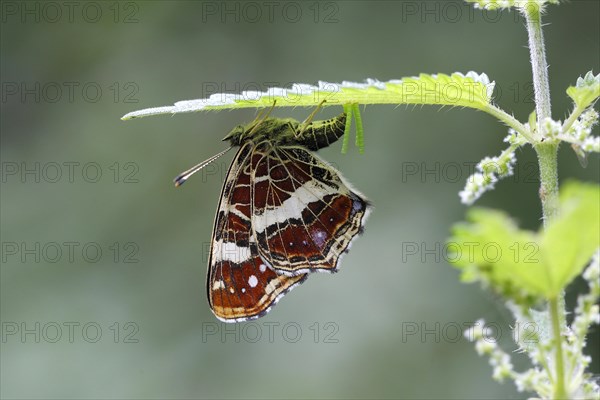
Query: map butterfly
point(283, 214)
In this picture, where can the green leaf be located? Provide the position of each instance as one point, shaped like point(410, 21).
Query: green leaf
point(586, 90)
point(490, 248)
point(505, 4)
point(523, 265)
point(470, 90)
point(533, 121)
point(570, 240)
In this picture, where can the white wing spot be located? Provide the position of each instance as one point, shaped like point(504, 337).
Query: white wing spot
point(218, 285)
point(229, 251)
point(243, 290)
point(252, 281)
point(262, 267)
point(231, 290)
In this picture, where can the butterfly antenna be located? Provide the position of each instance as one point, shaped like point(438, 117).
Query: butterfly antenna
point(255, 127)
point(309, 119)
point(181, 178)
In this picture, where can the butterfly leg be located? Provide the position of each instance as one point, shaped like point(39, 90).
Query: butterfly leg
point(308, 120)
point(260, 119)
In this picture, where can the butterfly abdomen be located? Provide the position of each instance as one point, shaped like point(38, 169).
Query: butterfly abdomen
point(320, 134)
point(288, 132)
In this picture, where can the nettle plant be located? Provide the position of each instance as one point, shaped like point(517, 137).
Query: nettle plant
point(530, 271)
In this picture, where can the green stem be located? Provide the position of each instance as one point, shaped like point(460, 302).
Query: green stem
point(572, 118)
point(555, 314)
point(539, 65)
point(547, 153)
point(508, 120)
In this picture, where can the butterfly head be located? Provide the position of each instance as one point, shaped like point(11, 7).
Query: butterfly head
point(235, 135)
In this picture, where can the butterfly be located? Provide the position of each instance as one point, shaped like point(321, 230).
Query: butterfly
point(283, 213)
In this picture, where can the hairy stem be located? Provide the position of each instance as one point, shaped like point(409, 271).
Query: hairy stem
point(572, 118)
point(539, 65)
point(559, 382)
point(508, 120)
point(547, 151)
point(547, 159)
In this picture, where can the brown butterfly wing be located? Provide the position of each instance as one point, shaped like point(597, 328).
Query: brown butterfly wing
point(305, 215)
point(240, 283)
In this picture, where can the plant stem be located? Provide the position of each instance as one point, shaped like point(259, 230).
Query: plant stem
point(547, 159)
point(539, 65)
point(547, 151)
point(555, 314)
point(572, 118)
point(508, 120)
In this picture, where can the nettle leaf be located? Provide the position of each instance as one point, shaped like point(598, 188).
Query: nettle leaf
point(586, 90)
point(570, 240)
point(524, 265)
point(464, 90)
point(504, 4)
point(490, 248)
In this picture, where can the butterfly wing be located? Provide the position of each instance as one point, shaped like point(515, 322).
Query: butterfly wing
point(304, 214)
point(240, 284)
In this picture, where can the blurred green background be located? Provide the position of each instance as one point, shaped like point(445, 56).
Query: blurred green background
point(104, 261)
